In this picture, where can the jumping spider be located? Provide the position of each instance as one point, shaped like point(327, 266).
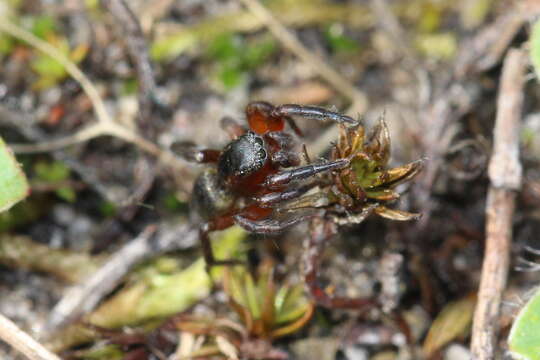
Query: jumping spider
point(255, 172)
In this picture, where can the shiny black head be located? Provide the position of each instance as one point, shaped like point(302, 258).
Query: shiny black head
point(242, 157)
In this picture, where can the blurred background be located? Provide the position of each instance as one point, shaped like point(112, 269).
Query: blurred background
point(167, 72)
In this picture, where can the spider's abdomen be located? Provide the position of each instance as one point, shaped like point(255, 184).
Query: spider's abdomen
point(210, 198)
point(242, 157)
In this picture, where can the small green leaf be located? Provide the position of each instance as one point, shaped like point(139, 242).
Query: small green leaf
point(338, 41)
point(452, 322)
point(524, 339)
point(55, 172)
point(535, 47)
point(257, 52)
point(43, 26)
point(51, 172)
point(67, 194)
point(107, 352)
point(13, 183)
point(441, 46)
point(6, 44)
point(108, 209)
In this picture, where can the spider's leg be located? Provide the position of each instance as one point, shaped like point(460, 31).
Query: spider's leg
point(281, 196)
point(206, 245)
point(285, 158)
point(312, 112)
point(321, 231)
point(232, 127)
point(282, 149)
point(353, 219)
point(268, 226)
point(283, 140)
point(305, 172)
point(190, 152)
point(260, 118)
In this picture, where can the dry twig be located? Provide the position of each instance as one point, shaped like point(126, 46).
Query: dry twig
point(339, 82)
point(21, 341)
point(82, 298)
point(452, 100)
point(138, 51)
point(104, 125)
point(505, 176)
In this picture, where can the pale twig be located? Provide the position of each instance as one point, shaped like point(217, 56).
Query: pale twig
point(104, 126)
point(338, 81)
point(146, 123)
point(138, 52)
point(453, 100)
point(22, 342)
point(505, 177)
point(17, 32)
point(82, 298)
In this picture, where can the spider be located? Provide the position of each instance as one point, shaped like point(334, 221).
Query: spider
point(258, 169)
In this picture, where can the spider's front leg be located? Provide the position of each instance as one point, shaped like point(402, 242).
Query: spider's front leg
point(273, 198)
point(322, 231)
point(190, 152)
point(304, 172)
point(268, 226)
point(312, 112)
point(232, 127)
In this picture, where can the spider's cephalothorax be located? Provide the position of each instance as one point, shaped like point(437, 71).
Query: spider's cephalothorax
point(243, 156)
point(255, 172)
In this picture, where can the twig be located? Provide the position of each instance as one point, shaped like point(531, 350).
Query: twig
point(22, 342)
point(340, 83)
point(390, 24)
point(138, 51)
point(452, 101)
point(82, 298)
point(17, 32)
point(505, 176)
point(104, 126)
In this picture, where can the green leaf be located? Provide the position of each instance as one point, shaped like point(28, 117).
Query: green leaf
point(535, 47)
point(441, 46)
point(338, 41)
point(43, 26)
point(51, 171)
point(225, 47)
point(6, 44)
point(524, 339)
point(257, 52)
point(161, 295)
point(67, 194)
point(452, 322)
point(13, 183)
point(55, 172)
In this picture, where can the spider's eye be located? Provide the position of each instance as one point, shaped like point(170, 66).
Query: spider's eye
point(243, 156)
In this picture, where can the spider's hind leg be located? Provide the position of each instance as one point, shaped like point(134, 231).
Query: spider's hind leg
point(208, 253)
